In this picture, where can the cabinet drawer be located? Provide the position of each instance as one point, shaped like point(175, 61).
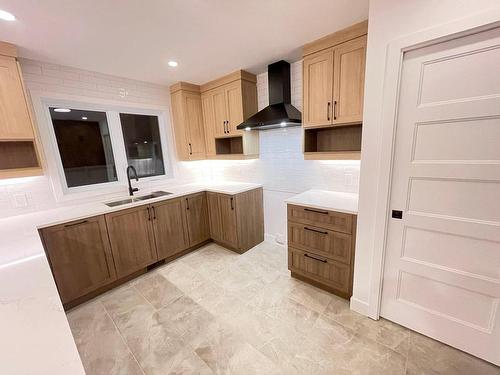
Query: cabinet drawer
point(321, 218)
point(324, 242)
point(320, 269)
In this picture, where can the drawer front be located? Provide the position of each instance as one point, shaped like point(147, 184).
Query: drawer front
point(336, 221)
point(323, 270)
point(324, 242)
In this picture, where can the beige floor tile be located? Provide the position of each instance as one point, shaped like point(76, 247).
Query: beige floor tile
point(338, 310)
point(249, 361)
point(310, 296)
point(296, 316)
point(191, 365)
point(121, 300)
point(385, 332)
point(182, 276)
point(99, 343)
point(158, 290)
point(427, 356)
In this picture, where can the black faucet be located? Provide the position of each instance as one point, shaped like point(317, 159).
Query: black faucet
point(130, 189)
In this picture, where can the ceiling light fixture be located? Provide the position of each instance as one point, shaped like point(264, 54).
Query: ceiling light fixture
point(248, 128)
point(282, 124)
point(173, 64)
point(84, 117)
point(6, 16)
point(62, 110)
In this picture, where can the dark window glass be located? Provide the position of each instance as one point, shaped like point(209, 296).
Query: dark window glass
point(85, 146)
point(141, 134)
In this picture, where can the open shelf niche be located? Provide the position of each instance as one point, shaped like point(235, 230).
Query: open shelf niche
point(333, 142)
point(229, 146)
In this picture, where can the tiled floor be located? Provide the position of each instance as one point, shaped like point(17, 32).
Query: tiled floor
point(217, 312)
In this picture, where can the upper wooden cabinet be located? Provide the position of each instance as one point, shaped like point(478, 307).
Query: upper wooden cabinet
point(18, 153)
point(333, 78)
point(188, 121)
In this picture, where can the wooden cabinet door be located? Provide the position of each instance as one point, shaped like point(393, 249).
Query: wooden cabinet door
point(318, 89)
point(209, 123)
point(214, 216)
point(196, 212)
point(234, 105)
point(169, 228)
point(228, 219)
point(220, 111)
point(131, 237)
point(14, 118)
point(80, 256)
point(194, 126)
point(349, 81)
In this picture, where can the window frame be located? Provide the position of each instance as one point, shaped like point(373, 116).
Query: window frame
point(112, 111)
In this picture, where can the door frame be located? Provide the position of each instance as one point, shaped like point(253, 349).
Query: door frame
point(465, 26)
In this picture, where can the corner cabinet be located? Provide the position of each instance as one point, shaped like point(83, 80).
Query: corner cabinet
point(333, 86)
point(188, 121)
point(237, 221)
point(18, 149)
point(197, 222)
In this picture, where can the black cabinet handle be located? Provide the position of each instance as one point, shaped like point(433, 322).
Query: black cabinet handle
point(318, 259)
point(315, 230)
point(187, 203)
point(328, 111)
point(227, 126)
point(154, 212)
point(317, 211)
point(190, 149)
point(334, 109)
point(232, 205)
point(73, 224)
point(149, 214)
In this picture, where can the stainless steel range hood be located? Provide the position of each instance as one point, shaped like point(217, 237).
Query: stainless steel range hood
point(280, 112)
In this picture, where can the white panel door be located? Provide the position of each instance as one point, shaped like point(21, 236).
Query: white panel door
point(442, 265)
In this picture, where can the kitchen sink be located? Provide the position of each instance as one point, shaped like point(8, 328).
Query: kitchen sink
point(154, 194)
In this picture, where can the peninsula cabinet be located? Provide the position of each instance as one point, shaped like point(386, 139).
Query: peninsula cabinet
point(187, 119)
point(18, 149)
point(80, 256)
point(333, 79)
point(132, 239)
point(237, 221)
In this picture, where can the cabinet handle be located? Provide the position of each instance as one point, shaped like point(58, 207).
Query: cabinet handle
point(149, 214)
point(190, 149)
point(227, 126)
point(232, 205)
point(154, 212)
point(315, 230)
point(334, 109)
point(318, 259)
point(328, 111)
point(316, 211)
point(187, 204)
point(73, 224)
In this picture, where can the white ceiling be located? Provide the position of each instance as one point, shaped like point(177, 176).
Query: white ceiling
point(136, 39)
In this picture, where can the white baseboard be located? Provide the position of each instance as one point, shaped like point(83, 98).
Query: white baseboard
point(272, 238)
point(361, 307)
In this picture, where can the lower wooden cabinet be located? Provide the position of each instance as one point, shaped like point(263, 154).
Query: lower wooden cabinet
point(321, 247)
point(132, 240)
point(197, 222)
point(237, 221)
point(80, 256)
point(169, 225)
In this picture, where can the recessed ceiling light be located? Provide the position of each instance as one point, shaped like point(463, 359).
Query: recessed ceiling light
point(64, 110)
point(6, 16)
point(84, 117)
point(173, 64)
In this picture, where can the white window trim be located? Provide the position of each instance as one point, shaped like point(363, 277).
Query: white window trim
point(42, 101)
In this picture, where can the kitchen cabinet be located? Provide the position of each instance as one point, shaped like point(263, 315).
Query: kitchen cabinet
point(197, 221)
point(80, 256)
point(321, 245)
point(227, 102)
point(18, 150)
point(333, 87)
point(132, 240)
point(237, 221)
point(169, 225)
point(188, 121)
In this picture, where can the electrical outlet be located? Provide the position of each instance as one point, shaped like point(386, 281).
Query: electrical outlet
point(348, 179)
point(20, 200)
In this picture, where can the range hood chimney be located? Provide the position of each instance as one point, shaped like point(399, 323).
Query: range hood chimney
point(280, 112)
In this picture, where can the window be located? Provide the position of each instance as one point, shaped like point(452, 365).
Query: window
point(141, 135)
point(84, 144)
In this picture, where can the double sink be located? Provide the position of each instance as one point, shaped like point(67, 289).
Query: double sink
point(154, 194)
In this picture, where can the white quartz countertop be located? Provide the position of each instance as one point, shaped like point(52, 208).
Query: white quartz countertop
point(327, 200)
point(36, 335)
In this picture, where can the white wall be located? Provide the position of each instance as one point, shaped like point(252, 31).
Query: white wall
point(281, 167)
point(388, 20)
